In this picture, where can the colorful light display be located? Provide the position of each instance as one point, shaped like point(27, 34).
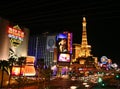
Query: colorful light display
point(16, 35)
point(27, 70)
point(63, 57)
point(64, 42)
point(17, 70)
point(29, 67)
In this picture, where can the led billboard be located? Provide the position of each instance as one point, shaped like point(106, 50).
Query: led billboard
point(64, 42)
point(63, 57)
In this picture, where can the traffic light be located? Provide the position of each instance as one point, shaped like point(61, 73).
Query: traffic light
point(103, 84)
point(117, 76)
point(100, 80)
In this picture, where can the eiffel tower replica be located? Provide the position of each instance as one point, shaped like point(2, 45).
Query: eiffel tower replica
point(85, 59)
point(85, 48)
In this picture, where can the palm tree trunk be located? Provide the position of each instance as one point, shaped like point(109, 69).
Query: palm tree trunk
point(1, 85)
point(10, 77)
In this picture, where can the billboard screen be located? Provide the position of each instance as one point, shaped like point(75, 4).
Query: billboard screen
point(62, 45)
point(63, 57)
point(64, 42)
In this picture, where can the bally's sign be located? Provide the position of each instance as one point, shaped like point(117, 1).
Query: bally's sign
point(16, 35)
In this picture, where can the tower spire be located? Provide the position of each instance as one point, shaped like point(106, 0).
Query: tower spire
point(84, 34)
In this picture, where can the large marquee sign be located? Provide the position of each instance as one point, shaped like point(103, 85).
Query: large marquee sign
point(64, 42)
point(16, 35)
point(64, 47)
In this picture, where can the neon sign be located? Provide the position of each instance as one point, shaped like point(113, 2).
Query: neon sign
point(16, 35)
point(70, 42)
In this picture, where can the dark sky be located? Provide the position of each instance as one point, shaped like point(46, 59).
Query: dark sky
point(103, 20)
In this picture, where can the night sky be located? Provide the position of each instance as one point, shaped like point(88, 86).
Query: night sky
point(103, 20)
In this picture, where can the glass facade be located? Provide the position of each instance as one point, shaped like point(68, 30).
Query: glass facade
point(38, 48)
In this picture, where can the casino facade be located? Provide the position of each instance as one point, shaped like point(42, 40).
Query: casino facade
point(13, 38)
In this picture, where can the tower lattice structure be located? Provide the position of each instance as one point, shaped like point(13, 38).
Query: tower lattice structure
point(85, 48)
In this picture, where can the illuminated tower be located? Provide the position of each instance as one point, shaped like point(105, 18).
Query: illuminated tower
point(82, 53)
point(85, 48)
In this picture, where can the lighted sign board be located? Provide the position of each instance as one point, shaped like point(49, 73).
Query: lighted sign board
point(29, 67)
point(27, 70)
point(64, 46)
point(63, 57)
point(16, 35)
point(104, 59)
point(30, 60)
point(64, 42)
point(61, 36)
point(70, 42)
point(16, 71)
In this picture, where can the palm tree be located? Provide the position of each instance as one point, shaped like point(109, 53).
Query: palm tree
point(21, 62)
point(4, 66)
point(39, 67)
point(47, 74)
point(11, 63)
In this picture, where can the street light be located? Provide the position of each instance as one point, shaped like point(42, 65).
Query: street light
point(73, 87)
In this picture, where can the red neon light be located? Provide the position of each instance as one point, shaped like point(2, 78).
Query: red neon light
point(15, 32)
